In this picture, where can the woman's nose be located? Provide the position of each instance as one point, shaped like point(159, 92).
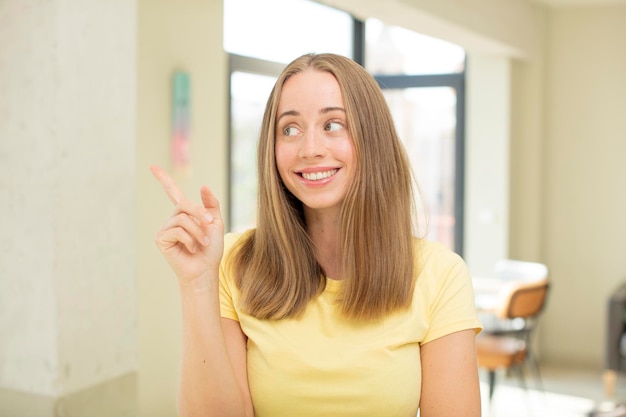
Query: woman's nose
point(311, 146)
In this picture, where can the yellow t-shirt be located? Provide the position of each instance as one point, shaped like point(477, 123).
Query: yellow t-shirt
point(321, 365)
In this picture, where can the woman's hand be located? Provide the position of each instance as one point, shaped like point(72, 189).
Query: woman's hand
point(192, 240)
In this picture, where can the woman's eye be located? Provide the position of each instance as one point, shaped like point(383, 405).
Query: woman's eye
point(290, 131)
point(333, 126)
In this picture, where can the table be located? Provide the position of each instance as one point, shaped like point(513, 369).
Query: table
point(486, 293)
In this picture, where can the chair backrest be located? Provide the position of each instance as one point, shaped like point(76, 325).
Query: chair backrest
point(524, 299)
point(515, 270)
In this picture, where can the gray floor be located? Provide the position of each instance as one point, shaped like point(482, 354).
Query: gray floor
point(115, 398)
point(572, 380)
point(568, 381)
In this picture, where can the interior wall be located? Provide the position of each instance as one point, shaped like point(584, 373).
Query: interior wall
point(28, 331)
point(184, 35)
point(527, 155)
point(67, 260)
point(504, 28)
point(486, 26)
point(487, 137)
point(584, 199)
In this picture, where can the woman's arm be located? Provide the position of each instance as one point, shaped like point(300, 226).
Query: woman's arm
point(213, 378)
point(450, 385)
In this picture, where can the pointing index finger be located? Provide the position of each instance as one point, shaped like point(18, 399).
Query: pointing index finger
point(168, 184)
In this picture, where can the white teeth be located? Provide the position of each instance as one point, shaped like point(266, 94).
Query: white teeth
point(315, 176)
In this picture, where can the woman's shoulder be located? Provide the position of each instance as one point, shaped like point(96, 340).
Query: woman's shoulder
point(231, 239)
point(434, 251)
point(435, 259)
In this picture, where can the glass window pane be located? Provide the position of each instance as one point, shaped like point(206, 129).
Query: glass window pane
point(395, 50)
point(249, 94)
point(426, 122)
point(281, 30)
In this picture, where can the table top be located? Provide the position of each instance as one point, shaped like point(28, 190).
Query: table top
point(486, 292)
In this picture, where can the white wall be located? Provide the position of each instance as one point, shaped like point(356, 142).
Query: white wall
point(67, 241)
point(526, 153)
point(488, 26)
point(585, 198)
point(173, 35)
point(487, 138)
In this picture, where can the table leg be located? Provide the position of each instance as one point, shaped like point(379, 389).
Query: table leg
point(610, 379)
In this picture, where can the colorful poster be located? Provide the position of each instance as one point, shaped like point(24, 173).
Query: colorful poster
point(180, 122)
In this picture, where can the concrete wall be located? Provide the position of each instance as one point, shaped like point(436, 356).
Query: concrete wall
point(67, 152)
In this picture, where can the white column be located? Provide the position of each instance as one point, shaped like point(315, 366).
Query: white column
point(67, 187)
point(487, 162)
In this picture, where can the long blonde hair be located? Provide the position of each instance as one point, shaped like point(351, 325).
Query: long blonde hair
point(275, 266)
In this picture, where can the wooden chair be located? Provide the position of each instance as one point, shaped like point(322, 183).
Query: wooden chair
point(522, 300)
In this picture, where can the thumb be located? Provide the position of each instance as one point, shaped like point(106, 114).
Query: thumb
point(210, 201)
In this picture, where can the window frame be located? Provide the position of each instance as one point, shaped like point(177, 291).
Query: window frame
point(455, 81)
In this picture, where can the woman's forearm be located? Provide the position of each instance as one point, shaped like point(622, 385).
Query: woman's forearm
point(208, 384)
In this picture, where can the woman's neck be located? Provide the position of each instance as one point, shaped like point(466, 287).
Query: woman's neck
point(324, 232)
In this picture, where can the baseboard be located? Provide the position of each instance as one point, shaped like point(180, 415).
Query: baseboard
point(113, 398)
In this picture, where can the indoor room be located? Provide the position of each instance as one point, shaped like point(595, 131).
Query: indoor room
point(511, 112)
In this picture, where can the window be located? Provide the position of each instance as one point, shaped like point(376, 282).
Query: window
point(395, 50)
point(421, 77)
point(423, 81)
point(281, 30)
point(247, 95)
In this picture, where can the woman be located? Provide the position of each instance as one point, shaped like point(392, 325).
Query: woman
point(330, 307)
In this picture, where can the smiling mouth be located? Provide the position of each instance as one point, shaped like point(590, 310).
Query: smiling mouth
point(316, 176)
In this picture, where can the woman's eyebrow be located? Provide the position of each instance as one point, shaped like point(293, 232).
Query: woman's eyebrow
point(288, 113)
point(322, 111)
point(330, 109)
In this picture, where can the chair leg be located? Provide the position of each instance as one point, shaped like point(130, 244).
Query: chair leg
point(492, 383)
point(519, 370)
point(535, 369)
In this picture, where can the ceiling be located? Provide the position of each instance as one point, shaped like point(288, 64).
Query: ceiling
point(577, 3)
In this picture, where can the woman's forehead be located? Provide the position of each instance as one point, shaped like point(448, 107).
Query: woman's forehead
point(310, 89)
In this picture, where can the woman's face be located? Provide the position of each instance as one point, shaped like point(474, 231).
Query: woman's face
point(314, 151)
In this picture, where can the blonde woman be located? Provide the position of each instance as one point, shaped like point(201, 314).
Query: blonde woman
point(330, 306)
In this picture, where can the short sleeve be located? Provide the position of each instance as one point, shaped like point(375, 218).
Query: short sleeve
point(452, 306)
point(227, 283)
